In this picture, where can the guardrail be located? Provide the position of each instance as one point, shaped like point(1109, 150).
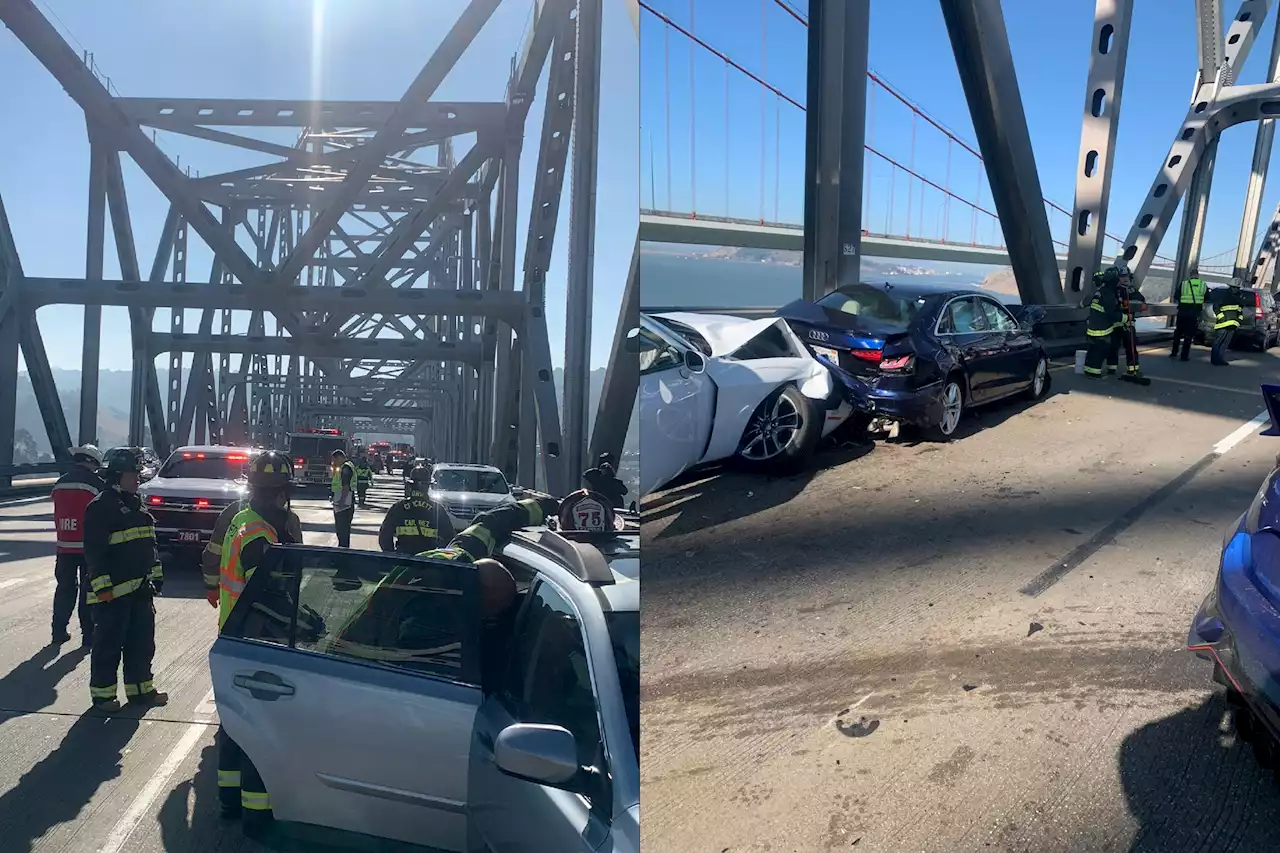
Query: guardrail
point(12, 488)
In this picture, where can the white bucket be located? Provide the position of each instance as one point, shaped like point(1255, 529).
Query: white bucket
point(1080, 362)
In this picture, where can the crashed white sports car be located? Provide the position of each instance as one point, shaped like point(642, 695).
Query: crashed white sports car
point(714, 387)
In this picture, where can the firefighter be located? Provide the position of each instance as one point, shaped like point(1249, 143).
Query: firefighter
point(344, 506)
point(1105, 318)
point(71, 496)
point(124, 576)
point(1125, 336)
point(266, 521)
point(211, 559)
point(1190, 304)
point(364, 477)
point(417, 523)
point(604, 479)
point(1226, 321)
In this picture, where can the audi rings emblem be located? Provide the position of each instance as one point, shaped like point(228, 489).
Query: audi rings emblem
point(819, 336)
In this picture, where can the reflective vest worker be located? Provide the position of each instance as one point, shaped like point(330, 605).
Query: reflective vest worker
point(1105, 318)
point(1226, 320)
point(124, 575)
point(364, 477)
point(211, 559)
point(1191, 295)
point(417, 523)
point(344, 506)
point(266, 521)
point(71, 496)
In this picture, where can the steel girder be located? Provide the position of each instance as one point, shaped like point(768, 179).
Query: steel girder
point(95, 247)
point(1258, 172)
point(312, 346)
point(1176, 170)
point(1263, 271)
point(835, 130)
point(1109, 53)
point(622, 377)
point(980, 43)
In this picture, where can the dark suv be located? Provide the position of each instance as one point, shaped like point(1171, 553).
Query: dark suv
point(1259, 325)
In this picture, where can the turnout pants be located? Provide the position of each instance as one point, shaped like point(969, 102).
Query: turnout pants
point(1222, 343)
point(342, 523)
point(1184, 331)
point(1102, 348)
point(239, 785)
point(124, 627)
point(73, 584)
point(361, 491)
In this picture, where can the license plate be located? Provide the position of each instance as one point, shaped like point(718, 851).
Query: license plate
point(188, 536)
point(827, 352)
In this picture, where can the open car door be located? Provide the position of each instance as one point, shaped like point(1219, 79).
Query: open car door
point(350, 680)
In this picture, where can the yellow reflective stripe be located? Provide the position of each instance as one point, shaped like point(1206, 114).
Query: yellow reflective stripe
point(100, 583)
point(407, 530)
point(1097, 307)
point(1093, 371)
point(130, 534)
point(228, 778)
point(126, 587)
point(102, 692)
point(214, 547)
point(157, 572)
point(257, 802)
point(479, 531)
point(132, 690)
point(1100, 333)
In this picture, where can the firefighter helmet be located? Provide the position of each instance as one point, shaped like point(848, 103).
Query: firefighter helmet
point(588, 512)
point(420, 478)
point(124, 460)
point(87, 453)
point(270, 470)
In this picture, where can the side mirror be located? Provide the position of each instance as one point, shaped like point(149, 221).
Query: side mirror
point(537, 753)
point(694, 362)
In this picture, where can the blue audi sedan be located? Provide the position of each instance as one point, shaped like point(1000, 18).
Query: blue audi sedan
point(923, 354)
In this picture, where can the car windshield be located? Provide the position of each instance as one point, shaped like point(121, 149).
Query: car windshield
point(624, 632)
point(205, 466)
point(315, 446)
point(463, 480)
point(874, 307)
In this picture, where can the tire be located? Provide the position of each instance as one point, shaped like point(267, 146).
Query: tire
point(953, 400)
point(781, 434)
point(1243, 722)
point(1040, 380)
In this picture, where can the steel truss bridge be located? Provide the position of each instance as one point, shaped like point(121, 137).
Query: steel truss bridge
point(862, 198)
point(385, 255)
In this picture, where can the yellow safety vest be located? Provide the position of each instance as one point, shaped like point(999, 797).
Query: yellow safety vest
point(1193, 290)
point(337, 477)
point(245, 527)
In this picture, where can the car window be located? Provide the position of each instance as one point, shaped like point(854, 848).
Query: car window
point(963, 317)
point(405, 612)
point(467, 480)
point(655, 354)
point(998, 319)
point(876, 308)
point(549, 681)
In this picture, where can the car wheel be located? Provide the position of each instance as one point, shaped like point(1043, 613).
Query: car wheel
point(952, 409)
point(782, 433)
point(1040, 379)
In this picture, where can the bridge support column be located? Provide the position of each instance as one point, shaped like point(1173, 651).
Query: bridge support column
point(8, 377)
point(835, 133)
point(1109, 52)
point(95, 245)
point(1262, 273)
point(981, 47)
point(1191, 235)
point(622, 376)
point(1258, 174)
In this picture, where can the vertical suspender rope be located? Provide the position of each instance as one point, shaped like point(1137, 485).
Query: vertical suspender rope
point(777, 154)
point(946, 198)
point(912, 167)
point(764, 73)
point(666, 64)
point(726, 139)
point(693, 127)
point(868, 162)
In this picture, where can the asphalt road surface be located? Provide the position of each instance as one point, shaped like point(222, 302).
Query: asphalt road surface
point(72, 782)
point(972, 646)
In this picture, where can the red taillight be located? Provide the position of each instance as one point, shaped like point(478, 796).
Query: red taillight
point(866, 354)
point(201, 503)
point(199, 455)
point(155, 500)
point(1257, 300)
point(237, 458)
point(300, 461)
point(897, 363)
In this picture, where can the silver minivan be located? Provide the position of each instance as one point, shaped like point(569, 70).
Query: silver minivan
point(371, 696)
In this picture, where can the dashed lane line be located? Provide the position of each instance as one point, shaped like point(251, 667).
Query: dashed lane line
point(146, 798)
point(1107, 535)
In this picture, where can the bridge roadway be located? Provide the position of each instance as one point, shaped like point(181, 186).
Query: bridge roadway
point(883, 592)
point(72, 782)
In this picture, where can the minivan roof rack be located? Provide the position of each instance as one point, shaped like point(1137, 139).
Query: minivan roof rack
point(581, 558)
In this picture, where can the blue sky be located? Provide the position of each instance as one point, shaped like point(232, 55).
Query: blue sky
point(247, 48)
point(911, 50)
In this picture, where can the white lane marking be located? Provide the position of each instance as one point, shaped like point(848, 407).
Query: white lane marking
point(1242, 433)
point(151, 791)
